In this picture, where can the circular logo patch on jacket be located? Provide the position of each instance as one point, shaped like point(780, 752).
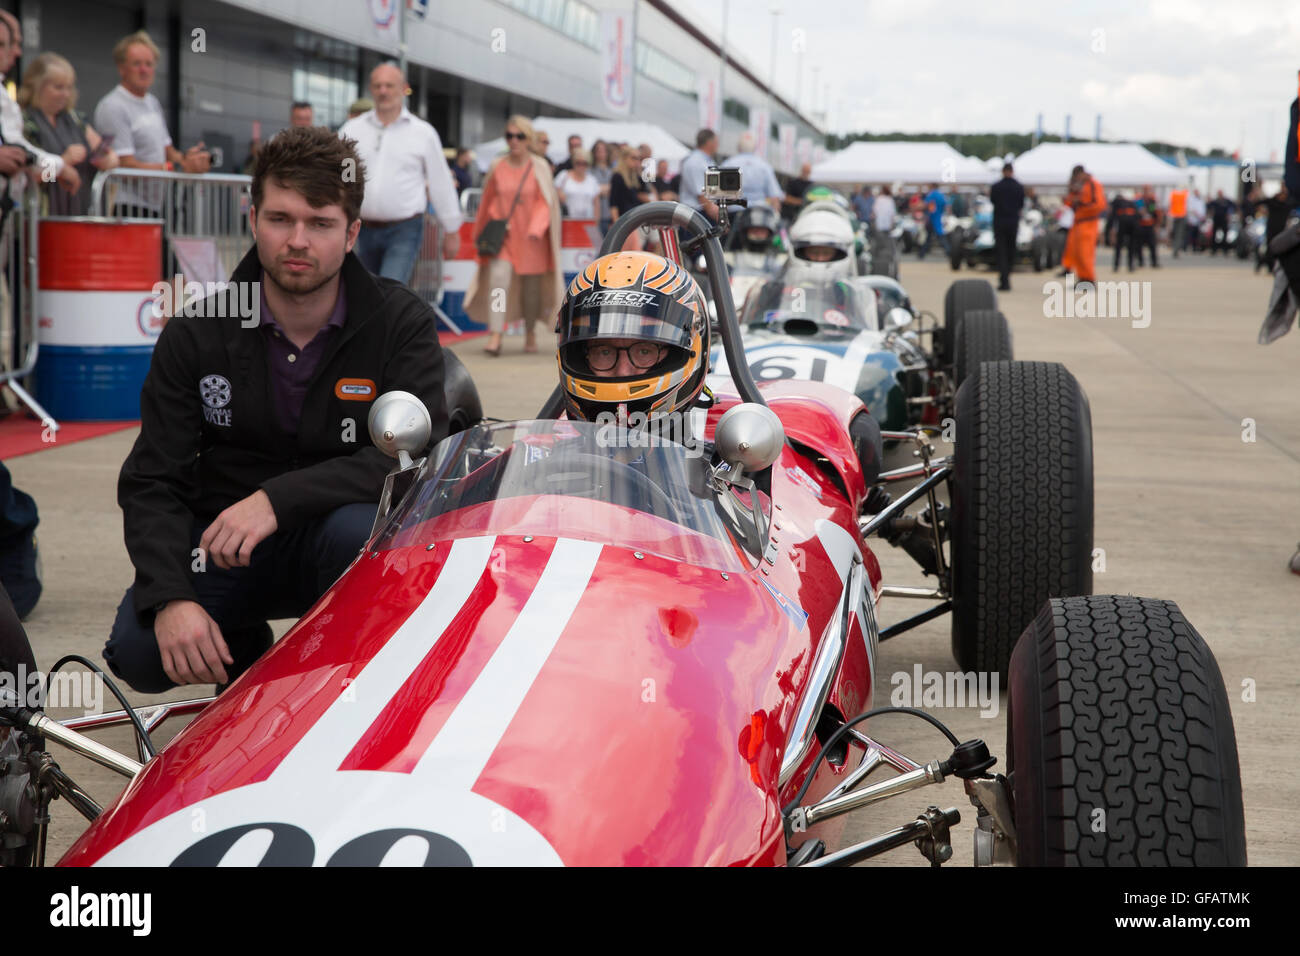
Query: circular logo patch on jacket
point(215, 391)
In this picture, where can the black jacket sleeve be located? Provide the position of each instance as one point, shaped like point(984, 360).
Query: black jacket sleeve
point(415, 365)
point(158, 476)
point(1291, 167)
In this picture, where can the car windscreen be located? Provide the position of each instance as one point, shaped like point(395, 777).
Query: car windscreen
point(832, 307)
point(636, 487)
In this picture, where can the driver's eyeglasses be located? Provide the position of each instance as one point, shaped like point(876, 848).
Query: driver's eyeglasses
point(643, 355)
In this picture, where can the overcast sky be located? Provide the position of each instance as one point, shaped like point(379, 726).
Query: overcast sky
point(1202, 72)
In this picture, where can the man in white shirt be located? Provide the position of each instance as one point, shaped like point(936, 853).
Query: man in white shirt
point(405, 171)
point(17, 153)
point(757, 177)
point(883, 212)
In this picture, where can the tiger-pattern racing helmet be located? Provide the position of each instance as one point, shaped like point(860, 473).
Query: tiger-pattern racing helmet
point(640, 296)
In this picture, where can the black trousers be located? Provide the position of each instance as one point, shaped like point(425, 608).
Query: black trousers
point(1219, 238)
point(286, 575)
point(1004, 249)
point(1125, 241)
point(1146, 239)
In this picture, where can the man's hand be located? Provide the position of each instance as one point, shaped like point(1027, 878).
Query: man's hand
point(192, 648)
point(196, 160)
point(450, 245)
point(12, 159)
point(231, 538)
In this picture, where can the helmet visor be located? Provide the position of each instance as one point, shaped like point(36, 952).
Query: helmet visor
point(628, 314)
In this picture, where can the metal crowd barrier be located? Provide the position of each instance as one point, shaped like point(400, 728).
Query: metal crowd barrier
point(469, 201)
point(208, 212)
point(427, 274)
point(18, 283)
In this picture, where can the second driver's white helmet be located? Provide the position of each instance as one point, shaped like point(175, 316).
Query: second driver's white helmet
point(820, 236)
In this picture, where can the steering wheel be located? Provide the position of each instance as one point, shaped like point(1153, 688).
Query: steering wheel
point(639, 479)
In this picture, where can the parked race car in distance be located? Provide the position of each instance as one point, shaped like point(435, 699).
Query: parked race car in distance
point(974, 245)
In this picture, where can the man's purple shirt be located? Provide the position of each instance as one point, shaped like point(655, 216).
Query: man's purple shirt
point(292, 369)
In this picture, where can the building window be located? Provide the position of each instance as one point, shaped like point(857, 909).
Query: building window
point(325, 75)
point(573, 18)
point(736, 110)
point(655, 64)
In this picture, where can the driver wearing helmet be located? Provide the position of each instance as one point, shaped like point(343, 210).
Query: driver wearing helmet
point(823, 236)
point(633, 338)
point(755, 230)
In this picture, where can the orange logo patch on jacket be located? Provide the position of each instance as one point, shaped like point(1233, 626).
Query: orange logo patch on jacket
point(354, 389)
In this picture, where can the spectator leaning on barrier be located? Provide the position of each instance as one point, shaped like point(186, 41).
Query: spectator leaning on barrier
point(665, 185)
point(134, 117)
point(575, 144)
point(578, 188)
point(16, 152)
point(277, 501)
point(47, 96)
point(521, 278)
point(407, 174)
point(301, 114)
point(602, 170)
point(627, 190)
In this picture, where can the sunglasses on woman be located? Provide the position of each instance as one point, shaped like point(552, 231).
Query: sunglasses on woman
point(515, 136)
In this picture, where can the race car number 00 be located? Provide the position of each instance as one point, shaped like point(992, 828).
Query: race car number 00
point(773, 368)
point(293, 846)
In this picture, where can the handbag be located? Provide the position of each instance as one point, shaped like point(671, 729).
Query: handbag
point(493, 236)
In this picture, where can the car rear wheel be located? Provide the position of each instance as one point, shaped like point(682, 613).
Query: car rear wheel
point(1038, 254)
point(964, 295)
point(1022, 504)
point(1120, 744)
point(464, 409)
point(983, 336)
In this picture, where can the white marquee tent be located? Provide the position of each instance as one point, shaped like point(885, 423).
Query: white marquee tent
point(559, 129)
point(901, 162)
point(1113, 164)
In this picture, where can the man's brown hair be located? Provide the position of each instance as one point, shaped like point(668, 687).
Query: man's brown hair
point(315, 162)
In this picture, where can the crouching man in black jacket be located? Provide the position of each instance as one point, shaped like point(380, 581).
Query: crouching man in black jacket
point(253, 483)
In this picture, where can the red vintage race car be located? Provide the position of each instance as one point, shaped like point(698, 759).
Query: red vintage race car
point(585, 644)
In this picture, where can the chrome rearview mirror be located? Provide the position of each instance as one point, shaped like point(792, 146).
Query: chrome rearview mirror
point(399, 424)
point(749, 437)
point(897, 319)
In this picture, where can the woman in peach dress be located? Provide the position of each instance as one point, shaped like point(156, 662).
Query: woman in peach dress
point(524, 280)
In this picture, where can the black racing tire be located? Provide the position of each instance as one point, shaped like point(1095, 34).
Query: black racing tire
point(963, 296)
point(464, 409)
point(954, 243)
point(1116, 704)
point(983, 336)
point(1022, 504)
point(884, 257)
point(1038, 254)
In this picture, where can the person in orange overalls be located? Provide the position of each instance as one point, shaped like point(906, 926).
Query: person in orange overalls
point(1088, 201)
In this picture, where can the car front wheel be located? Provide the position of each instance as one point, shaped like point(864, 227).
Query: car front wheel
point(1120, 744)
